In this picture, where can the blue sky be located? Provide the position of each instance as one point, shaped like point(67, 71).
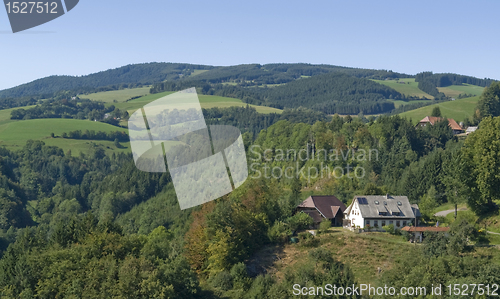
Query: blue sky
point(403, 36)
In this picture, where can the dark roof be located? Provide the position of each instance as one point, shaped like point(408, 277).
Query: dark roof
point(315, 215)
point(324, 204)
point(416, 210)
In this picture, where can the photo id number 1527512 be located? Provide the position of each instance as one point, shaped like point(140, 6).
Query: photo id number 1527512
point(31, 7)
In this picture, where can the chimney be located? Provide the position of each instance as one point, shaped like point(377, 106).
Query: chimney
point(387, 196)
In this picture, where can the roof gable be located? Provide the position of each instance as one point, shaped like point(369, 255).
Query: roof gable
point(327, 205)
point(433, 119)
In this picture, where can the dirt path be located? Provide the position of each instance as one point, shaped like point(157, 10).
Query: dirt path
point(446, 212)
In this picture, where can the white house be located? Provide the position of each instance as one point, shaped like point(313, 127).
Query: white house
point(380, 210)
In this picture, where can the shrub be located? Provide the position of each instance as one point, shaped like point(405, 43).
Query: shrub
point(279, 232)
point(240, 276)
point(299, 221)
point(222, 280)
point(311, 242)
point(321, 255)
point(390, 229)
point(305, 235)
point(325, 225)
point(406, 235)
point(308, 240)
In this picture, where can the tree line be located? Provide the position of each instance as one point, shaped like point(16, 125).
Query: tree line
point(77, 109)
point(121, 136)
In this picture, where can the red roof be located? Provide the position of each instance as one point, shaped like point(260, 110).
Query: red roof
point(433, 119)
point(425, 229)
point(327, 205)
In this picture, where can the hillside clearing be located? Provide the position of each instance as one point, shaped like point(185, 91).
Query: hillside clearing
point(456, 90)
point(116, 95)
point(364, 253)
point(206, 101)
point(398, 103)
point(13, 135)
point(406, 86)
point(459, 110)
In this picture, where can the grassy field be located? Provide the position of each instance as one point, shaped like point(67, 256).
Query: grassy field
point(364, 253)
point(398, 103)
point(455, 90)
point(459, 110)
point(5, 114)
point(116, 95)
point(206, 102)
point(410, 88)
point(197, 72)
point(13, 135)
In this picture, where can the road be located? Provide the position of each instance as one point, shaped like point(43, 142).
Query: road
point(444, 213)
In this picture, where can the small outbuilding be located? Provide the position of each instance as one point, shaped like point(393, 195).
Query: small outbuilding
point(418, 231)
point(320, 207)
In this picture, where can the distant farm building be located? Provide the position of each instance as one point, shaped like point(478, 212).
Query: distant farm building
point(457, 129)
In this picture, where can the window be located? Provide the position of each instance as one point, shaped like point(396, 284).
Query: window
point(367, 222)
point(397, 223)
point(404, 223)
point(383, 222)
point(375, 223)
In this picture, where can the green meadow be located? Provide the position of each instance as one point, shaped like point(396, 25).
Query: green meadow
point(398, 103)
point(455, 90)
point(5, 114)
point(409, 88)
point(14, 134)
point(197, 72)
point(206, 102)
point(459, 110)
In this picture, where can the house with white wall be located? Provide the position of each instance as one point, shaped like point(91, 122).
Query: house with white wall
point(376, 211)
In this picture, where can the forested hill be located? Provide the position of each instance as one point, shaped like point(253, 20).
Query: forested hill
point(329, 93)
point(146, 73)
point(150, 73)
point(429, 82)
point(279, 73)
point(334, 93)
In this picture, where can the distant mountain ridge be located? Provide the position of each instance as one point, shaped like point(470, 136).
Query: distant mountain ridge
point(145, 73)
point(154, 72)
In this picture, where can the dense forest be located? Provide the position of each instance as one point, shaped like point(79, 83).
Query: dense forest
point(329, 93)
point(136, 75)
point(429, 82)
point(68, 223)
point(256, 74)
